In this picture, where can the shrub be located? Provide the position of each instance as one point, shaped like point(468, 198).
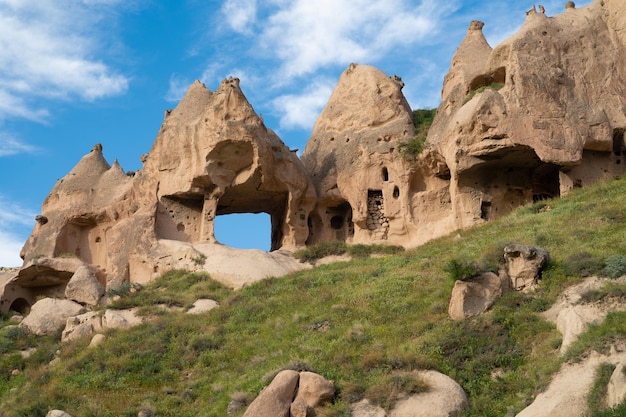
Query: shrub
point(583, 264)
point(412, 147)
point(615, 266)
point(320, 250)
point(492, 86)
point(462, 270)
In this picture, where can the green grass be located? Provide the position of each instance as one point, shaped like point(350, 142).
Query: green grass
point(492, 86)
point(366, 324)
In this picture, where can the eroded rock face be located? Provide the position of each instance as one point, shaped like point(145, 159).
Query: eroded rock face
point(212, 156)
point(367, 190)
point(524, 264)
point(517, 124)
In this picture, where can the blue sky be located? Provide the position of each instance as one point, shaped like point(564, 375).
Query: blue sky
point(78, 72)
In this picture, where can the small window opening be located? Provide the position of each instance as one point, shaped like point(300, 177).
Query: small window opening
point(385, 174)
point(485, 210)
point(396, 192)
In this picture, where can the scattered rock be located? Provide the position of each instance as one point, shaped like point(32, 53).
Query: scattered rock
point(444, 398)
point(84, 287)
point(121, 319)
point(81, 326)
point(313, 390)
point(470, 298)
point(97, 340)
point(49, 315)
point(275, 399)
point(363, 408)
point(524, 264)
point(202, 306)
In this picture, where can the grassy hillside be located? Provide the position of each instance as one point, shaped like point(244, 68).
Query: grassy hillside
point(361, 323)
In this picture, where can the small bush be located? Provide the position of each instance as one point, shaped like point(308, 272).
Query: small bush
point(200, 259)
point(492, 86)
point(461, 270)
point(411, 148)
point(583, 264)
point(320, 250)
point(393, 387)
point(615, 266)
point(122, 290)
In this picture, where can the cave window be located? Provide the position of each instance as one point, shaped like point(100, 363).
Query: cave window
point(336, 222)
point(98, 239)
point(244, 230)
point(20, 305)
point(396, 192)
point(485, 210)
point(385, 174)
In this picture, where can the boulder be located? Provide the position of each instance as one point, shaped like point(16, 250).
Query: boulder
point(444, 398)
point(80, 326)
point(97, 340)
point(275, 399)
point(470, 298)
point(49, 315)
point(202, 306)
point(84, 287)
point(313, 391)
point(524, 264)
point(120, 319)
point(363, 408)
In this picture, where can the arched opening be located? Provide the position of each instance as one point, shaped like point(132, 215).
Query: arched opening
point(20, 305)
point(244, 230)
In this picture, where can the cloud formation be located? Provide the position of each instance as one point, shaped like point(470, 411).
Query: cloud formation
point(15, 221)
point(11, 146)
point(48, 52)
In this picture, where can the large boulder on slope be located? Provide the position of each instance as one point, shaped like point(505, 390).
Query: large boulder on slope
point(49, 316)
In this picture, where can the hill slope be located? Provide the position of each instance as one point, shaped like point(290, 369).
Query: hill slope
point(356, 323)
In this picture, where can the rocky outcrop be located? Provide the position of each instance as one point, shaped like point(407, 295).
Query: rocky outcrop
point(535, 116)
point(292, 393)
point(84, 287)
point(524, 265)
point(48, 316)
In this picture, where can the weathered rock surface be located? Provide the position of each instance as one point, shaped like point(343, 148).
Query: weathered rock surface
point(470, 298)
point(202, 306)
point(444, 398)
point(57, 413)
point(84, 287)
point(572, 316)
point(524, 264)
point(566, 396)
point(49, 315)
point(276, 398)
point(292, 393)
point(92, 322)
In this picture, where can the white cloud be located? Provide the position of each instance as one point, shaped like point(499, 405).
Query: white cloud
point(240, 14)
point(15, 221)
point(10, 247)
point(48, 52)
point(301, 110)
point(11, 146)
point(307, 36)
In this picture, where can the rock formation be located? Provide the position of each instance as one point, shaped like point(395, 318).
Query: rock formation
point(540, 114)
